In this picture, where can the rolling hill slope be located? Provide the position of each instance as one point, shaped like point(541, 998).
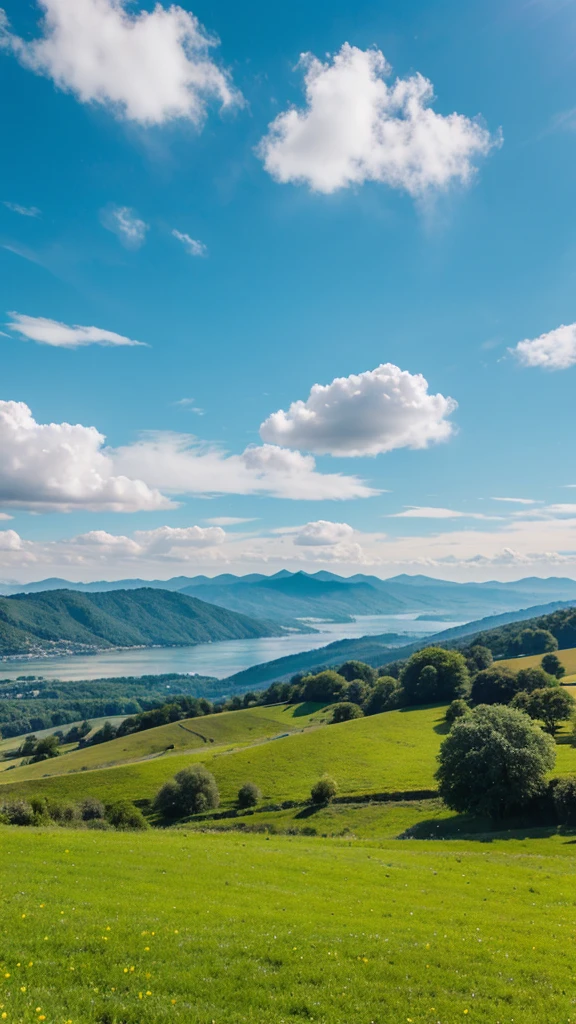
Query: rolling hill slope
point(31, 623)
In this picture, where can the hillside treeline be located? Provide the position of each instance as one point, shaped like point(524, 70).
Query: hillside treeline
point(556, 631)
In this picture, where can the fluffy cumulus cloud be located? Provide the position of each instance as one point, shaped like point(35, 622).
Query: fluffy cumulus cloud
point(125, 223)
point(356, 128)
point(192, 245)
point(364, 414)
point(555, 350)
point(323, 534)
point(148, 66)
point(169, 541)
point(177, 464)
point(61, 466)
point(58, 335)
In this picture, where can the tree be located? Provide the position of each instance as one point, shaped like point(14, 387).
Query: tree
point(456, 710)
point(536, 641)
point(345, 712)
point(323, 791)
point(29, 746)
point(358, 670)
point(434, 675)
point(553, 666)
point(564, 795)
point(45, 748)
point(383, 697)
point(248, 795)
point(478, 658)
point(324, 688)
point(191, 791)
point(106, 733)
point(495, 685)
point(551, 705)
point(494, 761)
point(357, 691)
point(530, 679)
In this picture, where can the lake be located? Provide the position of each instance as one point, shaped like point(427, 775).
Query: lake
point(220, 659)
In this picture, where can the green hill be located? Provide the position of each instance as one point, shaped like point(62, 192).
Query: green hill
point(36, 623)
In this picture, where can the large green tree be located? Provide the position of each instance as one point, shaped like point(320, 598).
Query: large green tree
point(434, 675)
point(494, 762)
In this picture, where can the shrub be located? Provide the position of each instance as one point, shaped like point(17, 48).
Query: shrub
point(18, 812)
point(494, 761)
point(191, 791)
point(434, 675)
point(345, 712)
point(553, 666)
point(457, 709)
point(48, 747)
point(92, 809)
point(564, 795)
point(125, 816)
point(495, 685)
point(384, 696)
point(248, 795)
point(323, 791)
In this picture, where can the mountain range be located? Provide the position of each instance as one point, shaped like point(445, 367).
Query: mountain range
point(66, 622)
point(287, 597)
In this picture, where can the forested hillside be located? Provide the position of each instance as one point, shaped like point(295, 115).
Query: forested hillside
point(66, 620)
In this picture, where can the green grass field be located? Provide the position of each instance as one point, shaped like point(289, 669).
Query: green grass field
point(390, 752)
point(112, 928)
point(568, 659)
point(226, 729)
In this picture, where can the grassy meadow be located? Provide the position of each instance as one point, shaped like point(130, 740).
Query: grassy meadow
point(112, 928)
point(567, 657)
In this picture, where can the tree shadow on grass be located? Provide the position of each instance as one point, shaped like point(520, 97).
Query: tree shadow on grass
point(309, 810)
point(482, 830)
point(308, 708)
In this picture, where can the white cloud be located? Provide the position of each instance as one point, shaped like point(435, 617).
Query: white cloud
point(178, 464)
point(51, 332)
point(323, 533)
point(424, 512)
point(192, 245)
point(517, 501)
point(189, 404)
point(555, 350)
point(364, 414)
point(356, 128)
point(150, 67)
point(24, 211)
point(58, 466)
point(10, 541)
point(230, 520)
point(125, 223)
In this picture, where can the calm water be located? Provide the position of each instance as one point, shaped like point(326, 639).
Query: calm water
point(219, 659)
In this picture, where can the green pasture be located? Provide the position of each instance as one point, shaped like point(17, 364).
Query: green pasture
point(395, 751)
point(112, 928)
point(228, 728)
point(567, 657)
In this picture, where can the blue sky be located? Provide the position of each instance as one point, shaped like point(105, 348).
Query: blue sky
point(437, 251)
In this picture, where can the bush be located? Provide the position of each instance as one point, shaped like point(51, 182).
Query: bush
point(125, 816)
point(478, 658)
point(434, 675)
point(92, 809)
point(18, 812)
point(457, 709)
point(564, 795)
point(323, 791)
point(553, 666)
point(345, 712)
point(494, 761)
point(191, 791)
point(384, 696)
point(248, 795)
point(495, 685)
point(46, 748)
